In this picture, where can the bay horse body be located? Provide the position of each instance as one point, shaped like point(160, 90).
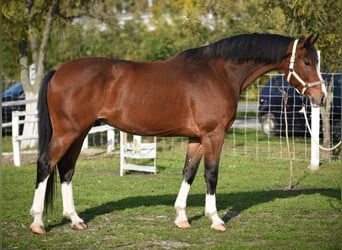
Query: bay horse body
point(193, 94)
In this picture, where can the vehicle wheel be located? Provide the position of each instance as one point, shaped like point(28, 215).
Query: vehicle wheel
point(269, 125)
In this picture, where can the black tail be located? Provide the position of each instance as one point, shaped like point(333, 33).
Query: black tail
point(45, 133)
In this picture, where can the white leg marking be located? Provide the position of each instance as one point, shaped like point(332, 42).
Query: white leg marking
point(69, 210)
point(180, 203)
point(37, 208)
point(211, 211)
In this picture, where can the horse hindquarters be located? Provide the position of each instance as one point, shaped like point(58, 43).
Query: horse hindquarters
point(63, 149)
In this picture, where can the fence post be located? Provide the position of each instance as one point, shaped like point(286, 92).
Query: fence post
point(315, 115)
point(110, 140)
point(85, 143)
point(15, 141)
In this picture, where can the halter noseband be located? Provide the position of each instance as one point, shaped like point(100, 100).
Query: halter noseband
point(292, 72)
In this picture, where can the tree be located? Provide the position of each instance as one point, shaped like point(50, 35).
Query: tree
point(30, 29)
point(95, 28)
point(29, 25)
point(304, 17)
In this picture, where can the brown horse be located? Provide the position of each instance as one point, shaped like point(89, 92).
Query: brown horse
point(193, 94)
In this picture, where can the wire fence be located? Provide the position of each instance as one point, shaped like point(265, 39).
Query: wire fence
point(259, 128)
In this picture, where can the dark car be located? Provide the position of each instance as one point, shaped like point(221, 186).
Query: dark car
point(13, 93)
point(271, 107)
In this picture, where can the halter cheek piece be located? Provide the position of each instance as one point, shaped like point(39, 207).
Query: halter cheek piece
point(293, 73)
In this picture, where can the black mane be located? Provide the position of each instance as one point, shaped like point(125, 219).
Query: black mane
point(261, 48)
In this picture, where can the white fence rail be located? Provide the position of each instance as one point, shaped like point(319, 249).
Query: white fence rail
point(15, 103)
point(32, 117)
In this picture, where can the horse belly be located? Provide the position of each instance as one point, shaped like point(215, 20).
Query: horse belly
point(151, 116)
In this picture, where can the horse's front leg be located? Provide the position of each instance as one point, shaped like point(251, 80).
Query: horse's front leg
point(212, 150)
point(211, 212)
point(193, 158)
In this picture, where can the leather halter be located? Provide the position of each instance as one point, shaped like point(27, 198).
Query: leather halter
point(292, 72)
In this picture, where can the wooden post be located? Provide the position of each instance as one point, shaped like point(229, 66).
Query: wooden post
point(15, 141)
point(315, 115)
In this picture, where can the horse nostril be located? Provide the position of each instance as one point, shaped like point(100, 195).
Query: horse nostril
point(316, 101)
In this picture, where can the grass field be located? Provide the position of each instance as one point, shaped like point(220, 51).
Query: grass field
point(136, 211)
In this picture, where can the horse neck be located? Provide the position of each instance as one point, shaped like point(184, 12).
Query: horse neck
point(248, 72)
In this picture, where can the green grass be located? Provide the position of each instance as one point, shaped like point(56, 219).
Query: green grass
point(136, 211)
point(6, 144)
point(246, 115)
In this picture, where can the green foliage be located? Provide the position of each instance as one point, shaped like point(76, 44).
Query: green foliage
point(318, 17)
point(171, 34)
point(177, 25)
point(13, 29)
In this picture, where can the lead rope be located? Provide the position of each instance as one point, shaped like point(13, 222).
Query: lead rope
point(303, 110)
point(305, 87)
point(286, 94)
point(287, 139)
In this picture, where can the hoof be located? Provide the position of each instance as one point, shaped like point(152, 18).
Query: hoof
point(183, 224)
point(220, 228)
point(80, 226)
point(38, 230)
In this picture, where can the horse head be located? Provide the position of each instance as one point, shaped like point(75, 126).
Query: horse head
point(303, 70)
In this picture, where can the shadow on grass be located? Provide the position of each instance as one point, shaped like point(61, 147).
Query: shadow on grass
point(238, 202)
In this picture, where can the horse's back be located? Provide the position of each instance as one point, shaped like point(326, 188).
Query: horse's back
point(157, 98)
point(142, 98)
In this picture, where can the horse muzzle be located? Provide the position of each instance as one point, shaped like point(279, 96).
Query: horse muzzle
point(317, 102)
point(319, 98)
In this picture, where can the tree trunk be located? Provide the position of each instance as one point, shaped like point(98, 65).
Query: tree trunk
point(34, 47)
point(23, 62)
point(32, 91)
point(326, 155)
point(29, 128)
point(44, 45)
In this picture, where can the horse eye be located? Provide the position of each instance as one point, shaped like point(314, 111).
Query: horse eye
point(307, 63)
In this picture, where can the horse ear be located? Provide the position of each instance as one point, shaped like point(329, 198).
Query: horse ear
point(310, 40)
point(314, 39)
point(307, 41)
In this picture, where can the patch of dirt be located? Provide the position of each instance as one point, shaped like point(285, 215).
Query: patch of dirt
point(293, 188)
point(26, 158)
point(167, 244)
point(30, 157)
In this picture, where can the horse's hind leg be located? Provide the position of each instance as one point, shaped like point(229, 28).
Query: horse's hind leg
point(38, 207)
point(45, 177)
point(66, 168)
point(193, 158)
